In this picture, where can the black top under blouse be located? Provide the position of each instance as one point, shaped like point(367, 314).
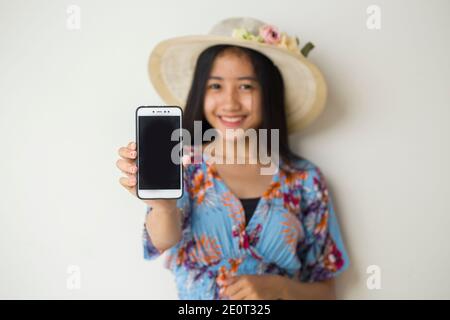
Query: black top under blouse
point(249, 205)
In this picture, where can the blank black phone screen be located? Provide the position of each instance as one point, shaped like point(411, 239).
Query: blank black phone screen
point(156, 168)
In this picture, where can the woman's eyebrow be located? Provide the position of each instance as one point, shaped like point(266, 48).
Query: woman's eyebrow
point(239, 78)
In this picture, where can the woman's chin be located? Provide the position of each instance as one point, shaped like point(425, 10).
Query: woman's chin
point(233, 134)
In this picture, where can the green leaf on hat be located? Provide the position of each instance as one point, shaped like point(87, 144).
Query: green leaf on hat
point(307, 48)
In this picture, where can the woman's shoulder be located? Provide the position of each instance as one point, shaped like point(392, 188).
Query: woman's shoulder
point(305, 170)
point(299, 164)
point(309, 178)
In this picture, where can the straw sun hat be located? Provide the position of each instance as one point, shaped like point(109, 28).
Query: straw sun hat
point(172, 62)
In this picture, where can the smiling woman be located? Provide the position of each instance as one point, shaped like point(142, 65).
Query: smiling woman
point(282, 240)
point(233, 95)
point(237, 87)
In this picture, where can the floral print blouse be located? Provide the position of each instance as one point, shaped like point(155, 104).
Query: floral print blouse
point(293, 232)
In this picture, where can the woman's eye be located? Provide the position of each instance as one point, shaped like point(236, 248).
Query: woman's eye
point(247, 86)
point(214, 86)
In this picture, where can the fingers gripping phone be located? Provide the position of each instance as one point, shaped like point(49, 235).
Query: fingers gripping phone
point(159, 152)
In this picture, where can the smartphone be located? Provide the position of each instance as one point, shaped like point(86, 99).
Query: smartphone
point(159, 152)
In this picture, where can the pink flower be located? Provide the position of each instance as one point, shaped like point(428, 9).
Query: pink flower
point(270, 34)
point(244, 241)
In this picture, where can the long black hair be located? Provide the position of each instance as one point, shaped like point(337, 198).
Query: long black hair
point(272, 89)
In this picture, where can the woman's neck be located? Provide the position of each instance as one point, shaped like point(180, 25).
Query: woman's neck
point(233, 152)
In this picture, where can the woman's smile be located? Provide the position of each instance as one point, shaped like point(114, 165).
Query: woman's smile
point(232, 121)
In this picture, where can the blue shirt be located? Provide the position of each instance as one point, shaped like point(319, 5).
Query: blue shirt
point(293, 231)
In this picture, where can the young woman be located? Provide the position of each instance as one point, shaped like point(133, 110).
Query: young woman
point(237, 233)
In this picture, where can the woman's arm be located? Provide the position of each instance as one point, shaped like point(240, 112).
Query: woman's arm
point(275, 287)
point(296, 290)
point(163, 226)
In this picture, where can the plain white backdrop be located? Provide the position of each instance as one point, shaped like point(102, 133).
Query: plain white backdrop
point(67, 102)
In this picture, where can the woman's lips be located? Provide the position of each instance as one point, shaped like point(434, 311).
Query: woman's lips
point(231, 122)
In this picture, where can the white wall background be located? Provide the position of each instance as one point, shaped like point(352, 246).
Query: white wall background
point(67, 101)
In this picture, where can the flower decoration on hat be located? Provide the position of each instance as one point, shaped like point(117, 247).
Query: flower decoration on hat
point(271, 35)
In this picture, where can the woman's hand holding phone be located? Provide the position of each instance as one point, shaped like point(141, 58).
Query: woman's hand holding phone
point(127, 164)
point(163, 225)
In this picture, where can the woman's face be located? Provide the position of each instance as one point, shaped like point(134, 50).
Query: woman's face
point(233, 95)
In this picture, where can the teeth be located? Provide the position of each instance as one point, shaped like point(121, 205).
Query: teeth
point(232, 119)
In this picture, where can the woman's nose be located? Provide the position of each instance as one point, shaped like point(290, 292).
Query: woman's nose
point(231, 101)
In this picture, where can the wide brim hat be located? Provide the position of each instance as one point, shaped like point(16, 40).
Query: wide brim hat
point(172, 63)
